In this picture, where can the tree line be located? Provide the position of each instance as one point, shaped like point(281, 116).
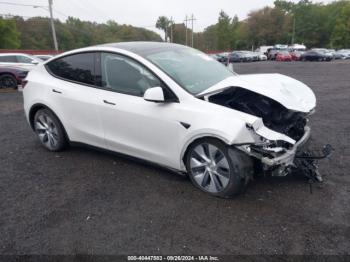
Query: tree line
point(304, 22)
point(35, 33)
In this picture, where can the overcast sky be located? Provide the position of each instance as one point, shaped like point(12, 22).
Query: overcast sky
point(143, 13)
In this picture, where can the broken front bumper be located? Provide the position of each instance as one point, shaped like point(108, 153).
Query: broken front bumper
point(287, 158)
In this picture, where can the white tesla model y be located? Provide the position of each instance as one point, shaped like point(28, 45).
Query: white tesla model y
point(173, 106)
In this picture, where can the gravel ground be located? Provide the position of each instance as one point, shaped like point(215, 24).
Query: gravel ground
point(83, 201)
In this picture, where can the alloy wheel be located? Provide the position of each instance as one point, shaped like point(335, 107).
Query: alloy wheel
point(47, 131)
point(209, 167)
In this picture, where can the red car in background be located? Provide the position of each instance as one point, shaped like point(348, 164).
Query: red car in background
point(11, 77)
point(296, 55)
point(283, 56)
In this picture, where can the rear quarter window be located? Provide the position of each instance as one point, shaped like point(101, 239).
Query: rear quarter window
point(78, 68)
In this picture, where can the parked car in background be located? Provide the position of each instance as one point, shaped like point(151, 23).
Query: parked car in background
point(328, 53)
point(296, 55)
point(219, 57)
point(315, 56)
point(44, 57)
point(23, 61)
point(264, 49)
point(297, 47)
point(262, 57)
point(342, 54)
point(271, 55)
point(254, 55)
point(11, 77)
point(239, 56)
point(280, 47)
point(283, 56)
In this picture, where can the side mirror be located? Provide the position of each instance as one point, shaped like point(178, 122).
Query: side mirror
point(154, 94)
point(35, 62)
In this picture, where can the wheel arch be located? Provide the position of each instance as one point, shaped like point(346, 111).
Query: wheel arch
point(193, 140)
point(11, 74)
point(35, 108)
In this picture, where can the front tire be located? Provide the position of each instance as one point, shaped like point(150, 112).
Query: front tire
point(218, 169)
point(49, 130)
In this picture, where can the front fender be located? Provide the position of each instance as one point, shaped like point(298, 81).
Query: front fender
point(231, 134)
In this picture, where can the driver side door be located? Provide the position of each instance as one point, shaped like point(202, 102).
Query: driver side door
point(132, 125)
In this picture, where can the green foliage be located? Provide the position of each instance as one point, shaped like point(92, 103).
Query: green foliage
point(341, 33)
point(163, 23)
point(35, 33)
point(9, 36)
point(224, 31)
point(316, 25)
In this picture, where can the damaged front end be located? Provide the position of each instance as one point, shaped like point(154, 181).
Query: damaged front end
point(282, 135)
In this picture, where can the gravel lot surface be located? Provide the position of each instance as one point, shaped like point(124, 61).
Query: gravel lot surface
point(89, 202)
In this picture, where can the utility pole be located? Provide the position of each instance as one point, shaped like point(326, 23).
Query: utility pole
point(53, 26)
point(293, 35)
point(192, 19)
point(171, 29)
point(188, 19)
point(186, 28)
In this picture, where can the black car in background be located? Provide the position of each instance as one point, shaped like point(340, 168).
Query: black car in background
point(222, 58)
point(316, 55)
point(240, 56)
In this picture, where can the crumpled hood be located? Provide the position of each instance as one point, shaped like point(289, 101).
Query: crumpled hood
point(288, 91)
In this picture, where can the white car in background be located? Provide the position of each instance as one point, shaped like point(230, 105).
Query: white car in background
point(174, 106)
point(44, 57)
point(262, 57)
point(19, 60)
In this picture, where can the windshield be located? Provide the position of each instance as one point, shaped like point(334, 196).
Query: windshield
point(192, 69)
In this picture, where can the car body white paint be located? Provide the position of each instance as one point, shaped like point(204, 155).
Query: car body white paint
point(153, 131)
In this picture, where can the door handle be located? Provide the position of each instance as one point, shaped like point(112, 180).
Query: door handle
point(56, 91)
point(108, 103)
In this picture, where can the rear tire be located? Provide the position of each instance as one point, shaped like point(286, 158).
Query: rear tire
point(218, 169)
point(8, 81)
point(49, 130)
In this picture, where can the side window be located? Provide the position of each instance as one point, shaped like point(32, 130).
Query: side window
point(8, 59)
point(124, 75)
point(24, 59)
point(77, 67)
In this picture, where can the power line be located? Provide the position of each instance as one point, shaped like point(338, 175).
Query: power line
point(9, 3)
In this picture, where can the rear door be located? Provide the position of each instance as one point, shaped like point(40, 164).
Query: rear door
point(76, 98)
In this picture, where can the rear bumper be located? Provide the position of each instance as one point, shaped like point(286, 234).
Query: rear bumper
point(287, 158)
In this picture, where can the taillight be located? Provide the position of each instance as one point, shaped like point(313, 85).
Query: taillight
point(24, 83)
